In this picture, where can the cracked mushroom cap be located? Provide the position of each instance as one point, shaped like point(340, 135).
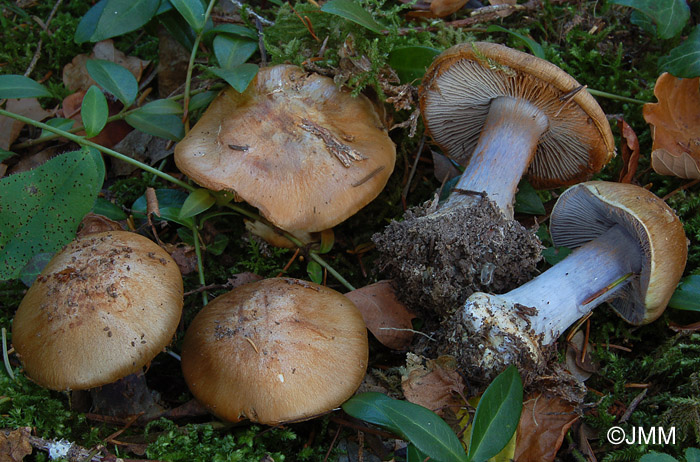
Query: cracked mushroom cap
point(102, 308)
point(460, 84)
point(277, 350)
point(307, 154)
point(585, 211)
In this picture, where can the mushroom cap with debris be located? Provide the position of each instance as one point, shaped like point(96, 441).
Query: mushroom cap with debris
point(277, 350)
point(460, 84)
point(306, 153)
point(101, 309)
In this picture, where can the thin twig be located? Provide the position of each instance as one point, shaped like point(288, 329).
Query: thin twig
point(265, 22)
point(37, 53)
point(419, 152)
point(689, 184)
point(633, 405)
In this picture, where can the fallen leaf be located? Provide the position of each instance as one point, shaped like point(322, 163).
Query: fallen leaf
point(29, 162)
point(442, 8)
point(142, 147)
point(503, 2)
point(94, 223)
point(543, 424)
point(10, 128)
point(240, 279)
point(14, 444)
point(434, 384)
point(185, 257)
point(694, 327)
point(443, 167)
point(385, 316)
point(675, 126)
point(582, 370)
point(75, 74)
point(173, 59)
point(630, 151)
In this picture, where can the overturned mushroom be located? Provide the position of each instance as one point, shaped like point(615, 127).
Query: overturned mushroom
point(503, 113)
point(307, 154)
point(630, 249)
point(102, 308)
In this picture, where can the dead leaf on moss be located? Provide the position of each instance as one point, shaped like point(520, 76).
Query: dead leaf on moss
point(675, 126)
point(543, 424)
point(94, 223)
point(185, 257)
point(442, 8)
point(14, 444)
point(385, 316)
point(10, 128)
point(630, 151)
point(434, 384)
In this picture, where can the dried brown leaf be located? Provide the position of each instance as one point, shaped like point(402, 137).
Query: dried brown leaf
point(503, 2)
point(629, 150)
point(185, 257)
point(543, 425)
point(442, 8)
point(385, 316)
point(675, 122)
point(94, 223)
point(14, 444)
point(10, 128)
point(434, 384)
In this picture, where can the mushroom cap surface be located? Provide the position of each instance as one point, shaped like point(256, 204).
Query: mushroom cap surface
point(585, 211)
point(101, 309)
point(460, 84)
point(277, 350)
point(307, 154)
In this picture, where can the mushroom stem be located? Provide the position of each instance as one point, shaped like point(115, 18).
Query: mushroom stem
point(536, 313)
point(504, 151)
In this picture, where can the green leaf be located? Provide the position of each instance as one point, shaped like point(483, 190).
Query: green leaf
point(169, 127)
point(235, 29)
point(113, 18)
point(657, 457)
point(19, 86)
point(684, 60)
point(170, 202)
point(114, 78)
point(192, 11)
point(178, 28)
point(670, 16)
point(202, 100)
point(197, 202)
point(34, 267)
point(410, 63)
point(527, 200)
point(57, 122)
point(161, 107)
point(554, 255)
point(413, 454)
point(497, 415)
point(692, 455)
point(535, 48)
point(351, 11)
point(94, 111)
point(687, 294)
point(40, 209)
point(422, 427)
point(232, 51)
point(4, 154)
point(219, 245)
point(238, 77)
point(108, 209)
point(315, 271)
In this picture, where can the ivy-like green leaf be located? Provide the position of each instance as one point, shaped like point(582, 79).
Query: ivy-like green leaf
point(497, 415)
point(692, 455)
point(113, 18)
point(535, 48)
point(657, 457)
point(669, 15)
point(57, 122)
point(202, 100)
point(114, 78)
point(554, 255)
point(176, 26)
point(684, 60)
point(410, 63)
point(235, 29)
point(422, 427)
point(315, 271)
point(4, 154)
point(192, 11)
point(166, 126)
point(40, 209)
point(527, 200)
point(233, 51)
point(351, 11)
point(161, 107)
point(19, 86)
point(238, 77)
point(108, 209)
point(687, 294)
point(170, 202)
point(197, 202)
point(219, 245)
point(94, 111)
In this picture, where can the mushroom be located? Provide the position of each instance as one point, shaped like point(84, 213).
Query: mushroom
point(101, 309)
point(307, 154)
point(630, 249)
point(502, 113)
point(277, 350)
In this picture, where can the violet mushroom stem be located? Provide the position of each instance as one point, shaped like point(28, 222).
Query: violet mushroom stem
point(512, 130)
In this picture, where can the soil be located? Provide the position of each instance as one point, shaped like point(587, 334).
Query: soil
point(438, 258)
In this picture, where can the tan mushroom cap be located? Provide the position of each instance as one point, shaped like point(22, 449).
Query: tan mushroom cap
point(277, 350)
point(102, 308)
point(461, 82)
point(587, 210)
point(307, 154)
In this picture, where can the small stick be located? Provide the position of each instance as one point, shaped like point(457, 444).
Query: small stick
point(419, 152)
point(633, 405)
point(585, 340)
point(289, 263)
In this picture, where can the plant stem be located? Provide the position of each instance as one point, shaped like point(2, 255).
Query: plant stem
point(85, 142)
point(200, 263)
point(330, 269)
point(190, 66)
point(605, 94)
point(5, 357)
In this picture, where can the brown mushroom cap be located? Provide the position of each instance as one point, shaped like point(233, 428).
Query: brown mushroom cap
point(307, 154)
point(585, 211)
point(461, 82)
point(276, 350)
point(102, 308)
